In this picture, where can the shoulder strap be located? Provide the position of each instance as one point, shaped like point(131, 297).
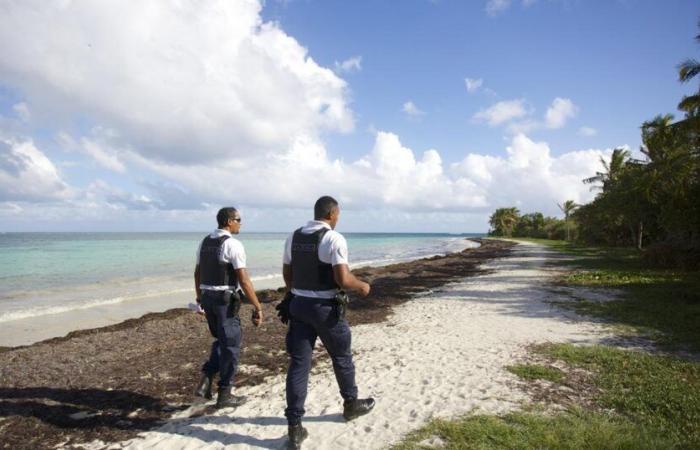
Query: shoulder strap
point(322, 232)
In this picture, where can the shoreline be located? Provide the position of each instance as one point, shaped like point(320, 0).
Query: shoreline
point(113, 382)
point(32, 328)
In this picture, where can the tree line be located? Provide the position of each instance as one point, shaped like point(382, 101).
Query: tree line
point(651, 203)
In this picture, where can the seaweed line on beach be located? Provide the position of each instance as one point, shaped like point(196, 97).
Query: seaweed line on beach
point(111, 383)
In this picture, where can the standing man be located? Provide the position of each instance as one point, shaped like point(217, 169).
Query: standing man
point(219, 275)
point(315, 268)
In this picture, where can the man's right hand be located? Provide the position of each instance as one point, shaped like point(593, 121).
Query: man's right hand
point(364, 289)
point(346, 280)
point(257, 317)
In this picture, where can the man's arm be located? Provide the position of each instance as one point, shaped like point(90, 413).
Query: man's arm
point(249, 291)
point(287, 275)
point(347, 280)
point(196, 283)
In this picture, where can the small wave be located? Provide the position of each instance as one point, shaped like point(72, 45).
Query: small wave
point(44, 311)
point(269, 276)
point(450, 246)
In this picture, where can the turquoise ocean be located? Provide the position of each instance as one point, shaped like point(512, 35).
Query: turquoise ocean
point(79, 276)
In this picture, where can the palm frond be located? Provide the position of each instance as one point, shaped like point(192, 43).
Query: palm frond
point(595, 179)
point(688, 69)
point(690, 104)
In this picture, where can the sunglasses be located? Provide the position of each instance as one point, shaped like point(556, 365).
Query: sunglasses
point(237, 219)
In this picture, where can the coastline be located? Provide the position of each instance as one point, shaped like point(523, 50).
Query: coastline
point(112, 382)
point(99, 304)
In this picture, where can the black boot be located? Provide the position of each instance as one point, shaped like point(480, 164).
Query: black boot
point(227, 400)
point(204, 387)
point(352, 409)
point(296, 434)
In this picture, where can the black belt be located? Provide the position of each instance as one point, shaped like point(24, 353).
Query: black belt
point(329, 301)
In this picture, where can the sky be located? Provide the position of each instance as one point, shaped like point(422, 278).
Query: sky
point(417, 116)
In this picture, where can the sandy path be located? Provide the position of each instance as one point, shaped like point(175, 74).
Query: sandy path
point(442, 354)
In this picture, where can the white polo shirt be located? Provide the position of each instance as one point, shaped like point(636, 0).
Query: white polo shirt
point(232, 251)
point(333, 249)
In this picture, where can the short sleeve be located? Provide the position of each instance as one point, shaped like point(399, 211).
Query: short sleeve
point(236, 254)
point(339, 250)
point(287, 255)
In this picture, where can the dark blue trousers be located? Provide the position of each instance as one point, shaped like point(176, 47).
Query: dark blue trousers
point(225, 327)
point(312, 318)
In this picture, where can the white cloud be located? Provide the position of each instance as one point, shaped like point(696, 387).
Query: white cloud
point(393, 175)
point(559, 112)
point(96, 148)
point(587, 131)
point(530, 178)
point(22, 111)
point(495, 7)
point(555, 117)
point(178, 81)
point(26, 174)
point(524, 126)
point(473, 84)
point(502, 112)
point(390, 177)
point(350, 65)
point(100, 190)
point(219, 108)
point(104, 157)
point(411, 109)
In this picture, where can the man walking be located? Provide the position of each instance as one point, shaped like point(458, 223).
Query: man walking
point(315, 268)
point(219, 276)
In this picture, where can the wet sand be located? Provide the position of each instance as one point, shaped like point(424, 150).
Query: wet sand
point(108, 384)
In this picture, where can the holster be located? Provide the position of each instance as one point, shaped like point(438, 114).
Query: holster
point(233, 299)
point(283, 307)
point(342, 301)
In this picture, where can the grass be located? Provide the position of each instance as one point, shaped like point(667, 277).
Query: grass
point(575, 430)
point(664, 304)
point(657, 392)
point(653, 403)
point(533, 372)
point(649, 401)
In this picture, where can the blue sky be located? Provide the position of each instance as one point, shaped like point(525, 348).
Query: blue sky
point(418, 115)
point(615, 59)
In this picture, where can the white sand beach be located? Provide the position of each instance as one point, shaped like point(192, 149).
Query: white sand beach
point(440, 355)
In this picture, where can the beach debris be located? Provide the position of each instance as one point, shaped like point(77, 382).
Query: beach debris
point(82, 415)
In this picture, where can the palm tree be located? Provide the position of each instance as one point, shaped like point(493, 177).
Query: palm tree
point(567, 208)
point(657, 136)
point(687, 70)
point(618, 160)
point(503, 220)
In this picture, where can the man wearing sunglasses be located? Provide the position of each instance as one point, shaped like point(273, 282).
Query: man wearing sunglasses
point(315, 268)
point(219, 277)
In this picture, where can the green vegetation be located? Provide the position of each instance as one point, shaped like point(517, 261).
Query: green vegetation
point(650, 401)
point(663, 304)
point(574, 430)
point(533, 372)
point(647, 203)
point(508, 222)
point(654, 403)
point(640, 400)
point(661, 393)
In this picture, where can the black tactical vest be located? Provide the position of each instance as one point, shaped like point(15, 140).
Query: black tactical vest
point(308, 271)
point(213, 271)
